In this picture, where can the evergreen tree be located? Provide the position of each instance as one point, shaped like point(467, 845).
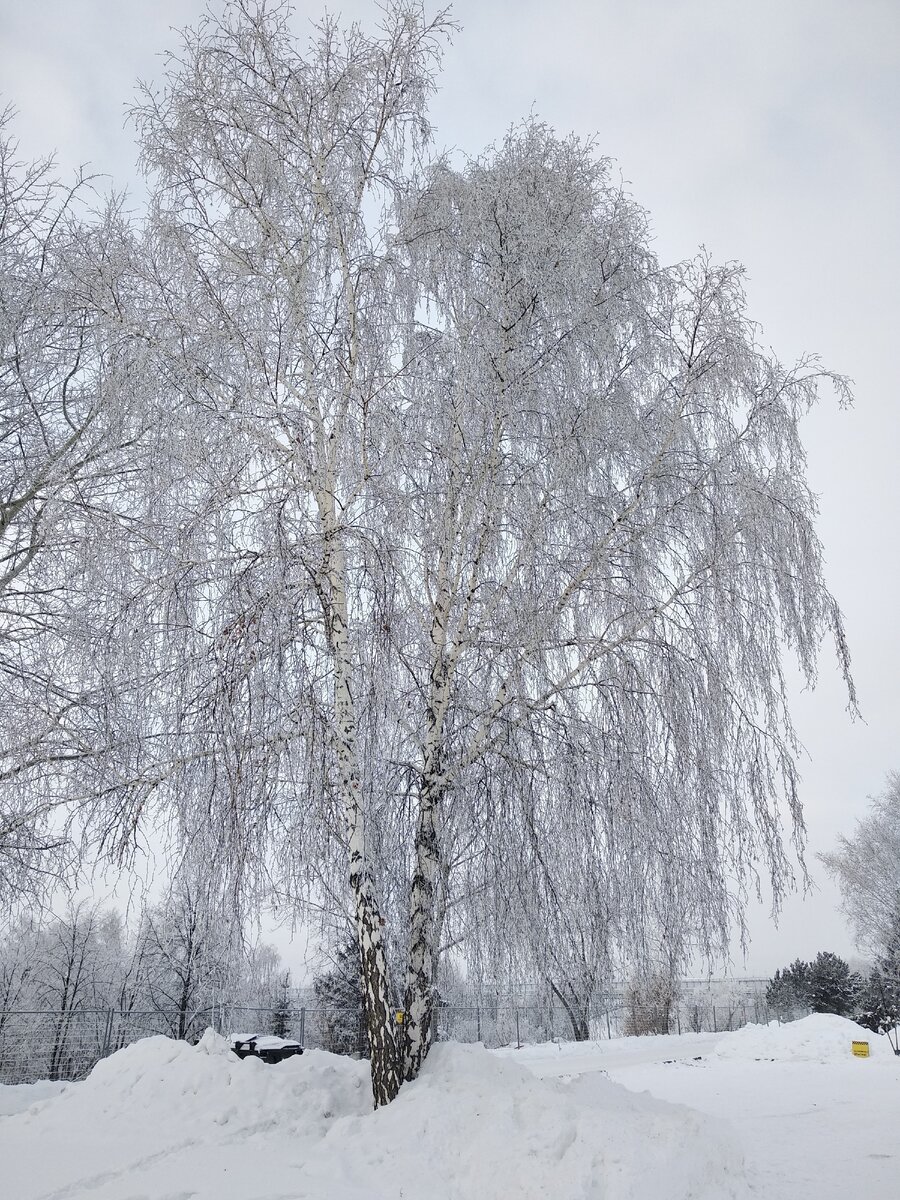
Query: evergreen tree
point(826, 985)
point(788, 992)
point(340, 997)
point(282, 1009)
point(833, 987)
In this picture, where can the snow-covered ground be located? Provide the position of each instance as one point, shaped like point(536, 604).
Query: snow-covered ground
point(814, 1123)
point(772, 1113)
point(24, 1095)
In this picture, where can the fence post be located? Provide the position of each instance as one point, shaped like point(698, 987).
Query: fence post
point(107, 1033)
point(478, 1022)
point(715, 1027)
point(678, 1019)
point(518, 1037)
point(302, 1026)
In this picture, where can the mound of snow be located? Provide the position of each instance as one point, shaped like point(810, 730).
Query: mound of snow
point(16, 1097)
point(163, 1119)
point(170, 1083)
point(495, 1131)
point(822, 1037)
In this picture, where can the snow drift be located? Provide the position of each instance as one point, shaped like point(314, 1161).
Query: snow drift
point(161, 1120)
point(17, 1097)
point(822, 1037)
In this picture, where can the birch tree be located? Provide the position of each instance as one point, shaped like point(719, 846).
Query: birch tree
point(477, 527)
point(272, 170)
point(615, 539)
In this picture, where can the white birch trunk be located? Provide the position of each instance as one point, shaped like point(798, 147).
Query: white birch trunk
point(419, 995)
point(373, 962)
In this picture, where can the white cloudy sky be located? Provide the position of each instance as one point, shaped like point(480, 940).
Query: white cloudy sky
point(766, 130)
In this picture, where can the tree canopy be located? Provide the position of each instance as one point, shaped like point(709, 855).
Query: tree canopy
point(466, 540)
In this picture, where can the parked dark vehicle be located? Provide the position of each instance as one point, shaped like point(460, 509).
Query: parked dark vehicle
point(269, 1048)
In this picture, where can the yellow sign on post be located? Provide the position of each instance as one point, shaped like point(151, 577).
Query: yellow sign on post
point(860, 1049)
point(399, 1019)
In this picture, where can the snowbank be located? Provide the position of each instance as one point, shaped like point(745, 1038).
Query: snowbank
point(17, 1097)
point(161, 1119)
point(822, 1037)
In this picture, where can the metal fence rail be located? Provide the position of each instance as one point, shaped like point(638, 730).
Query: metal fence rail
point(52, 1045)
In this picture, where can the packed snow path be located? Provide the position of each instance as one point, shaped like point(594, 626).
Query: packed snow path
point(814, 1123)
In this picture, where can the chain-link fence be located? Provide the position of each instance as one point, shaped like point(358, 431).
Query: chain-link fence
point(505, 1024)
point(46, 1045)
point(66, 1045)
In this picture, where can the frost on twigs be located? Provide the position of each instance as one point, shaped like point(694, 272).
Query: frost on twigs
point(474, 540)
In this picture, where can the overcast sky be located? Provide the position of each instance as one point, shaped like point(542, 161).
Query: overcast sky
point(767, 131)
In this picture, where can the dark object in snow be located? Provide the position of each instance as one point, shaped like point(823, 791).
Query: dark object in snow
point(265, 1046)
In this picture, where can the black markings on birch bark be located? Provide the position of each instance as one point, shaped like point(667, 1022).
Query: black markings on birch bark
point(373, 962)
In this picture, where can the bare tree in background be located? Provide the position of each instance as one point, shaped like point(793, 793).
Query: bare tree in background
point(71, 421)
point(189, 958)
point(867, 869)
point(64, 984)
point(18, 964)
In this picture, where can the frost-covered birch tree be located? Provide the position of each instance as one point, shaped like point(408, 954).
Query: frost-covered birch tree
point(480, 535)
point(610, 515)
point(274, 175)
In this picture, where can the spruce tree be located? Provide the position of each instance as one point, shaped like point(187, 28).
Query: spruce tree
point(340, 998)
point(788, 992)
point(833, 987)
